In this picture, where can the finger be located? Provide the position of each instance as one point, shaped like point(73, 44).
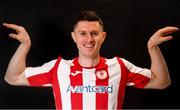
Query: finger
point(15, 36)
point(168, 30)
point(12, 26)
point(167, 38)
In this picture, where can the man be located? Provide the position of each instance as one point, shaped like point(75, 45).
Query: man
point(89, 81)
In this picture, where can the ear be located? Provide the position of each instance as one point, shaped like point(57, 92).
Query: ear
point(73, 36)
point(104, 36)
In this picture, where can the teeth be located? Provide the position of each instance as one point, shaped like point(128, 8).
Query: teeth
point(88, 45)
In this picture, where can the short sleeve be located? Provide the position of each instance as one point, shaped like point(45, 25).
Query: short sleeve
point(42, 75)
point(137, 76)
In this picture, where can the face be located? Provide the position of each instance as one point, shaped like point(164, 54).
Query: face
point(88, 36)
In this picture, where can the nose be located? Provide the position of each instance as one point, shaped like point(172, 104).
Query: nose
point(90, 38)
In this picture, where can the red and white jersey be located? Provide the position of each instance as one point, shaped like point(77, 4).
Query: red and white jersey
point(98, 87)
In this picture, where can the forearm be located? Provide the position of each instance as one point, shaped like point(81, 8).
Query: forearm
point(159, 67)
point(17, 63)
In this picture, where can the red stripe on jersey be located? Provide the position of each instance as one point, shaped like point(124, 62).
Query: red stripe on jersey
point(56, 86)
point(102, 98)
point(40, 79)
point(40, 76)
point(137, 79)
point(122, 85)
point(76, 80)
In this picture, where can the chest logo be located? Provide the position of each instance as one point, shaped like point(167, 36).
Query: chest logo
point(102, 74)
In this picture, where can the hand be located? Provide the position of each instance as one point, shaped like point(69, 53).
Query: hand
point(161, 36)
point(22, 36)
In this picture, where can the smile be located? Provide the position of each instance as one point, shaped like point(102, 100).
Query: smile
point(89, 45)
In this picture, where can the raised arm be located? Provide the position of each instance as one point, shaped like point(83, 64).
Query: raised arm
point(160, 74)
point(15, 71)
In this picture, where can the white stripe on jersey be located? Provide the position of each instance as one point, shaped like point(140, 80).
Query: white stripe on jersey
point(40, 70)
point(89, 98)
point(134, 69)
point(64, 80)
point(114, 79)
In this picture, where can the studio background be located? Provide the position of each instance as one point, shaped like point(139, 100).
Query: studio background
point(128, 23)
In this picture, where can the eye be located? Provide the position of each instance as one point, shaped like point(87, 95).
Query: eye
point(82, 33)
point(94, 34)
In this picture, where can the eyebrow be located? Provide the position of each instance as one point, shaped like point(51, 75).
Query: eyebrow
point(90, 32)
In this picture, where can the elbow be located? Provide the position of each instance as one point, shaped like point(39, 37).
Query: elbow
point(164, 85)
point(167, 84)
point(158, 83)
point(10, 80)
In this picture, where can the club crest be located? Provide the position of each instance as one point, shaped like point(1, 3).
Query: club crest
point(102, 74)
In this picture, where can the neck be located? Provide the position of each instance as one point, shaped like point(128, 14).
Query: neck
point(88, 61)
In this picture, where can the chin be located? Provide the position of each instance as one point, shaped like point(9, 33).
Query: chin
point(89, 53)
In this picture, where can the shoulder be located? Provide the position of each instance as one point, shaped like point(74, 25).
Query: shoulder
point(63, 61)
point(115, 60)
